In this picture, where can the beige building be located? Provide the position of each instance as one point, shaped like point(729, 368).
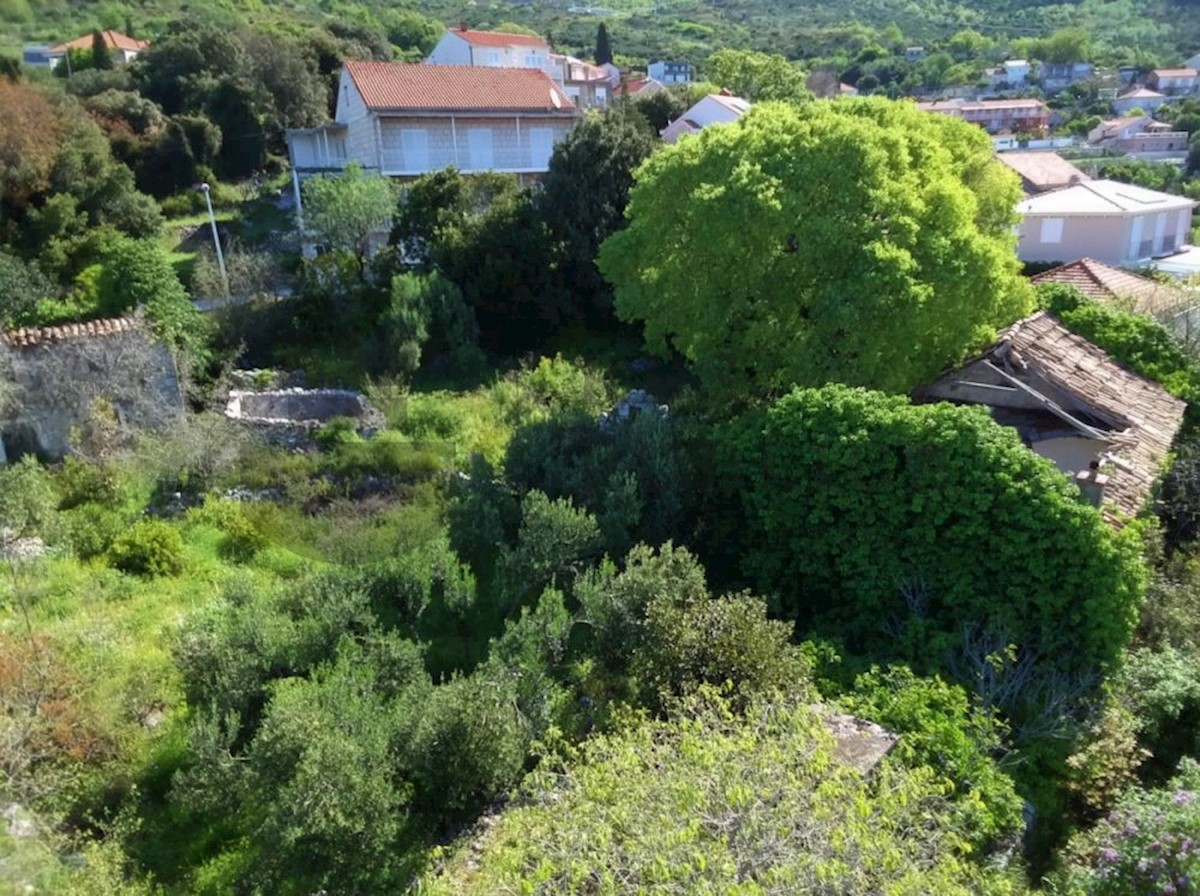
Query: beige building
point(1119, 224)
point(407, 120)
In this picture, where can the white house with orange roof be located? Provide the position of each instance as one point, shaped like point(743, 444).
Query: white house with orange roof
point(121, 47)
point(405, 120)
point(587, 85)
point(716, 108)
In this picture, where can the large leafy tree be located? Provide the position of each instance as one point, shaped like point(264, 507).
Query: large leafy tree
point(862, 241)
point(757, 76)
point(712, 802)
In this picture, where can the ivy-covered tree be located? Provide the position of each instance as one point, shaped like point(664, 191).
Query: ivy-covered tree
point(858, 241)
point(930, 534)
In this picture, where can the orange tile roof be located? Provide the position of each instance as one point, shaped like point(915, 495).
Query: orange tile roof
point(114, 40)
point(456, 88)
point(498, 38)
point(27, 337)
point(1043, 170)
point(1174, 73)
point(1113, 286)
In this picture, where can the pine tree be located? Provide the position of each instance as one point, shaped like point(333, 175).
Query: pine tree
point(603, 50)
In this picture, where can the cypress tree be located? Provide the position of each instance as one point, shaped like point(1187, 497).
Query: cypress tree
point(101, 58)
point(603, 50)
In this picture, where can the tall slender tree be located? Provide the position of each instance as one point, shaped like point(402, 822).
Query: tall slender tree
point(603, 48)
point(101, 58)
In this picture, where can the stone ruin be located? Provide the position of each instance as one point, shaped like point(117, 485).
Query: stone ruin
point(295, 414)
point(52, 377)
point(636, 402)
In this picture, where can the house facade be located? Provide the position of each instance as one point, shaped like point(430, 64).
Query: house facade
point(1119, 224)
point(996, 116)
point(716, 108)
point(464, 46)
point(671, 72)
point(407, 120)
point(1009, 75)
point(1174, 81)
point(1139, 98)
point(1055, 76)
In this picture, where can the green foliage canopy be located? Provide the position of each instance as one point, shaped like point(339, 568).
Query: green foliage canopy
point(857, 241)
point(927, 533)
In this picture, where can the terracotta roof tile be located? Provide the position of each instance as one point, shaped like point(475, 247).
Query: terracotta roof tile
point(28, 337)
point(1043, 170)
point(1113, 286)
point(1053, 353)
point(498, 38)
point(454, 88)
point(114, 40)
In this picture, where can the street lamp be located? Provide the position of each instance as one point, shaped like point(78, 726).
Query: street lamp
point(212, 219)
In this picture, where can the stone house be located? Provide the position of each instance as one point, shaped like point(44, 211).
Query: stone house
point(1110, 430)
point(52, 377)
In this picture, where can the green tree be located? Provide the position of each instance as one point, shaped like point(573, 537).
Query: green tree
point(345, 212)
point(1029, 614)
point(715, 802)
point(22, 284)
point(138, 274)
point(583, 199)
point(860, 241)
point(603, 48)
point(101, 57)
point(757, 77)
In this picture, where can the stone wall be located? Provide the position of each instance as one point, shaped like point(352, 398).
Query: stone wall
point(54, 376)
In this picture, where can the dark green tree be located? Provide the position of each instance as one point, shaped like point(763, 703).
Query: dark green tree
point(101, 57)
point(583, 200)
point(603, 47)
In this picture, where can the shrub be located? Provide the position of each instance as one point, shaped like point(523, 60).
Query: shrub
point(80, 482)
point(93, 528)
point(385, 455)
point(150, 548)
point(1149, 844)
point(28, 503)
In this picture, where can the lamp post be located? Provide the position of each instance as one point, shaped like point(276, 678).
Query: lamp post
point(212, 220)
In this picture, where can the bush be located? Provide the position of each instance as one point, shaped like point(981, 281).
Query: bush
point(385, 455)
point(80, 482)
point(28, 503)
point(1149, 844)
point(93, 528)
point(151, 548)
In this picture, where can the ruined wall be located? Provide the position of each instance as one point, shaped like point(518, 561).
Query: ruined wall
point(53, 376)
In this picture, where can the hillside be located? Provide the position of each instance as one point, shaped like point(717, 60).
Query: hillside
point(671, 28)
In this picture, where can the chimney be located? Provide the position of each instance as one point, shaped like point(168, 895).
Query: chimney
point(462, 26)
point(1092, 483)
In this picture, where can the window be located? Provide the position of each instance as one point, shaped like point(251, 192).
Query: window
point(1052, 230)
point(533, 60)
point(414, 143)
point(493, 57)
point(541, 145)
point(479, 145)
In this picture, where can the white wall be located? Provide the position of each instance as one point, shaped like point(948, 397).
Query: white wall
point(450, 50)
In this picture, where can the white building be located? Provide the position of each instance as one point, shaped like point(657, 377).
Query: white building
point(716, 108)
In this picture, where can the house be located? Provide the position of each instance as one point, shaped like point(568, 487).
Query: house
point(639, 87)
point(1116, 223)
point(996, 116)
point(404, 120)
point(120, 46)
point(914, 54)
point(1118, 129)
point(1139, 98)
point(716, 108)
point(1120, 289)
point(1055, 76)
point(1174, 81)
point(463, 46)
point(1010, 74)
point(1042, 171)
point(1109, 429)
point(56, 375)
point(1159, 142)
point(589, 86)
point(671, 72)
